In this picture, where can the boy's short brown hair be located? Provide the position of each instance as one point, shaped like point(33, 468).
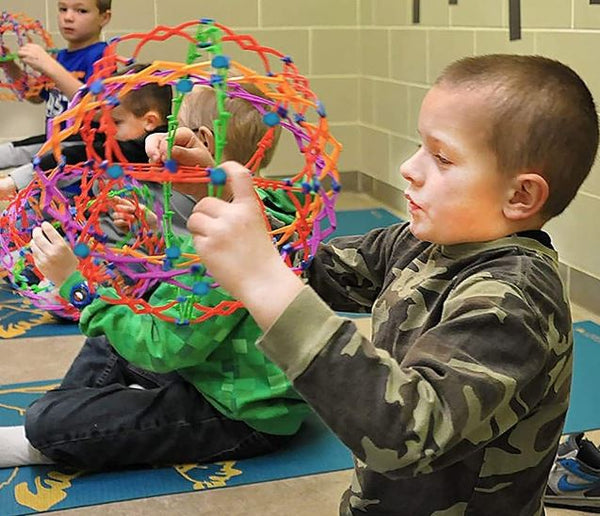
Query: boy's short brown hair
point(245, 127)
point(103, 5)
point(543, 119)
point(148, 97)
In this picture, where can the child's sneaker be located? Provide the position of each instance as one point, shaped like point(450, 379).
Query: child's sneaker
point(574, 480)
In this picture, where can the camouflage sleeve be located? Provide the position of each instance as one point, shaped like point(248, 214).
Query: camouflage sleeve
point(418, 406)
point(348, 272)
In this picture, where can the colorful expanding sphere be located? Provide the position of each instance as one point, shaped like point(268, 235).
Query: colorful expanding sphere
point(142, 258)
point(16, 30)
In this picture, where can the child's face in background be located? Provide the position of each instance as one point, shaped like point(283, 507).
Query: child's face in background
point(129, 127)
point(456, 192)
point(80, 22)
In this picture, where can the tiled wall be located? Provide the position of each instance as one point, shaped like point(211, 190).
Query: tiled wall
point(371, 66)
point(399, 60)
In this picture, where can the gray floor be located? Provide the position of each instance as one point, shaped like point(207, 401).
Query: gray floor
point(47, 358)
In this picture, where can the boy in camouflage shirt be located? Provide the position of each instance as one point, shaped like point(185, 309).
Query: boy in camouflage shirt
point(457, 403)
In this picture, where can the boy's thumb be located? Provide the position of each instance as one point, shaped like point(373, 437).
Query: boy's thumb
point(239, 180)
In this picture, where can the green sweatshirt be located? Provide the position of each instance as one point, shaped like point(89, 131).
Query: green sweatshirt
point(218, 356)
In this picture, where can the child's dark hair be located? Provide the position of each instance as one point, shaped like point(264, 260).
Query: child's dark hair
point(149, 97)
point(103, 5)
point(544, 119)
point(245, 127)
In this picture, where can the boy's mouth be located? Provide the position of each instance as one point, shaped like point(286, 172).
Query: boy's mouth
point(412, 206)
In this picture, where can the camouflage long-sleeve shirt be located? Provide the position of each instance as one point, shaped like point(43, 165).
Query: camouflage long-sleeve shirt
point(456, 405)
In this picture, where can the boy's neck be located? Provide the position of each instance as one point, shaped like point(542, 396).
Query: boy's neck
point(78, 45)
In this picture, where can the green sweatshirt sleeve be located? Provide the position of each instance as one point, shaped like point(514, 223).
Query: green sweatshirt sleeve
point(148, 341)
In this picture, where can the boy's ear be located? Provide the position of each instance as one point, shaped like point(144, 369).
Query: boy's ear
point(152, 120)
point(105, 18)
point(207, 138)
point(527, 195)
point(106, 15)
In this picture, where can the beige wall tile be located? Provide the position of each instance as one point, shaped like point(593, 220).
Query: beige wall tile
point(233, 13)
point(435, 13)
point(592, 184)
point(408, 54)
point(366, 101)
point(447, 46)
point(586, 16)
point(573, 49)
point(392, 12)
point(172, 49)
point(287, 159)
point(21, 119)
point(574, 234)
point(340, 97)
point(400, 150)
point(585, 290)
point(545, 13)
point(498, 42)
point(365, 12)
point(475, 13)
point(134, 16)
point(374, 52)
point(290, 42)
point(415, 99)
point(391, 112)
point(375, 153)
point(348, 136)
point(335, 51)
point(290, 13)
point(34, 9)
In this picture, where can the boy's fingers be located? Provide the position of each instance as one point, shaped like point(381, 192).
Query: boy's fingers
point(185, 137)
point(51, 233)
point(240, 181)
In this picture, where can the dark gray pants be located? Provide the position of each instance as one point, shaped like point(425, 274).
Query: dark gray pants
point(94, 420)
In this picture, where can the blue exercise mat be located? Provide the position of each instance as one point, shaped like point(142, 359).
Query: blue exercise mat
point(32, 489)
point(584, 408)
point(20, 318)
point(358, 222)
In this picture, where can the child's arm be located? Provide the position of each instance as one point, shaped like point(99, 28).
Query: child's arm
point(145, 340)
point(232, 241)
point(36, 57)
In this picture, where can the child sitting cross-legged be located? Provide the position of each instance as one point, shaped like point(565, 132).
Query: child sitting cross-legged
point(143, 391)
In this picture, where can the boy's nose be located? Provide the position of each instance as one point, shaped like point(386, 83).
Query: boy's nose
point(410, 169)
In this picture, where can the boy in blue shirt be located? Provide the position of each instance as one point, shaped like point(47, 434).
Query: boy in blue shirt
point(80, 23)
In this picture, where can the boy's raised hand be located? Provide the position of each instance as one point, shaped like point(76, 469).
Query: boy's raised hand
point(35, 56)
point(51, 254)
point(187, 149)
point(232, 241)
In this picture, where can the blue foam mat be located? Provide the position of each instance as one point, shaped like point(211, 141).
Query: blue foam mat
point(32, 489)
point(358, 222)
point(19, 318)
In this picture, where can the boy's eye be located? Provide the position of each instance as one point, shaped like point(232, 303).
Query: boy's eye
point(441, 159)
